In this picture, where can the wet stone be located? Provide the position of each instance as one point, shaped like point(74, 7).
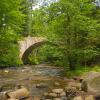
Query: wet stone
point(58, 91)
point(90, 97)
point(3, 96)
point(78, 98)
point(57, 99)
point(41, 85)
point(6, 71)
point(57, 84)
point(63, 94)
point(70, 88)
point(63, 98)
point(37, 98)
point(12, 99)
point(50, 95)
point(78, 86)
point(84, 86)
point(45, 94)
point(54, 95)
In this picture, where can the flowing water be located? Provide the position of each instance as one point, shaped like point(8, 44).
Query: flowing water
point(38, 79)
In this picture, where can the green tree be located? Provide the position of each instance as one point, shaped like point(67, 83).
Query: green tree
point(10, 15)
point(11, 21)
point(70, 25)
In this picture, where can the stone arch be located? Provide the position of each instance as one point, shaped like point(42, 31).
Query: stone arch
point(29, 50)
point(28, 44)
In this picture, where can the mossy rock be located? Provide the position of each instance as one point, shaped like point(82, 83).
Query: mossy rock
point(92, 79)
point(95, 84)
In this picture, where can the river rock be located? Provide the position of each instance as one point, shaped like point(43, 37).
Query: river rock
point(3, 96)
point(6, 71)
point(90, 97)
point(42, 85)
point(50, 95)
point(37, 98)
point(97, 96)
point(78, 98)
point(70, 88)
point(12, 99)
point(45, 94)
point(57, 99)
point(91, 82)
point(64, 98)
point(53, 95)
point(77, 85)
point(71, 92)
point(57, 84)
point(63, 94)
point(58, 91)
point(84, 86)
point(19, 94)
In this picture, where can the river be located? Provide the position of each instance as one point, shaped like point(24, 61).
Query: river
point(37, 78)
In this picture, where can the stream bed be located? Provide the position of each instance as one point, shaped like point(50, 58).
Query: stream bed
point(37, 78)
point(45, 79)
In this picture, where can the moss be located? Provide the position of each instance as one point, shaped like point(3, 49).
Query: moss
point(82, 70)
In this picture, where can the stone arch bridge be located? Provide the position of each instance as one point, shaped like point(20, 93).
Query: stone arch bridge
point(27, 44)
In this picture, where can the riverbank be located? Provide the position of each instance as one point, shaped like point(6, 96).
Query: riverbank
point(38, 79)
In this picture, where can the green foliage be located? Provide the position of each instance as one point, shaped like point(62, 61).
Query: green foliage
point(11, 20)
point(10, 15)
point(40, 25)
point(82, 70)
point(70, 24)
point(9, 51)
point(46, 53)
point(73, 25)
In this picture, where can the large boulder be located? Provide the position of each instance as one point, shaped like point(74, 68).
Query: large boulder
point(19, 94)
point(91, 82)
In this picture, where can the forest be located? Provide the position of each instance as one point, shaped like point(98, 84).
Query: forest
point(74, 26)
